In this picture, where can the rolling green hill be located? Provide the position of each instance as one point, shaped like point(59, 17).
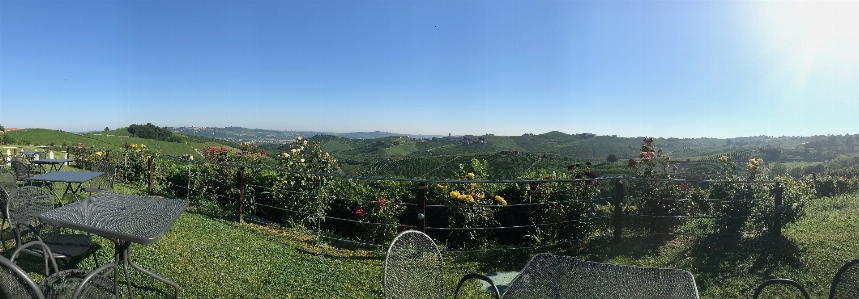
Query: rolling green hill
point(508, 156)
point(111, 140)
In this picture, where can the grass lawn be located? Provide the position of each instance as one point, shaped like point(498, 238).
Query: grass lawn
point(210, 257)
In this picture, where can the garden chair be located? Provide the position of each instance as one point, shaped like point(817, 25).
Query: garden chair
point(23, 208)
point(555, 276)
point(103, 182)
point(21, 170)
point(75, 283)
point(8, 183)
point(780, 288)
point(413, 267)
point(844, 285)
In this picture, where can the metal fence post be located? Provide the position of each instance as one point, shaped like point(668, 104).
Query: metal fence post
point(188, 186)
point(151, 171)
point(241, 202)
point(618, 210)
point(422, 206)
point(779, 207)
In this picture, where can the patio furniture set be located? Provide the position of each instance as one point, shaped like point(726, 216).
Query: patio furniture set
point(414, 269)
point(45, 229)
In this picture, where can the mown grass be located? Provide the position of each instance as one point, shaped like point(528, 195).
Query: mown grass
point(213, 257)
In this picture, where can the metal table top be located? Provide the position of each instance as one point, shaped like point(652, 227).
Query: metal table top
point(51, 161)
point(133, 218)
point(67, 176)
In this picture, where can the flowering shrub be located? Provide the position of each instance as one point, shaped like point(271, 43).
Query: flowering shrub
point(134, 167)
point(475, 205)
point(382, 213)
point(301, 188)
point(655, 197)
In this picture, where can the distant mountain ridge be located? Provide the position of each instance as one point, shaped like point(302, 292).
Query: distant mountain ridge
point(240, 134)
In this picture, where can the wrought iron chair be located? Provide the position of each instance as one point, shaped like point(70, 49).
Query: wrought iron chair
point(555, 276)
point(413, 267)
point(103, 182)
point(8, 183)
point(846, 281)
point(23, 208)
point(21, 170)
point(779, 288)
point(845, 284)
point(75, 283)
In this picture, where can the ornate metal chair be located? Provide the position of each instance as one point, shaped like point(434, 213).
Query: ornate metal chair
point(21, 170)
point(75, 283)
point(103, 182)
point(8, 183)
point(845, 284)
point(555, 276)
point(413, 267)
point(779, 288)
point(23, 208)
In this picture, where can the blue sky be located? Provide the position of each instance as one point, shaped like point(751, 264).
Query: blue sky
point(628, 68)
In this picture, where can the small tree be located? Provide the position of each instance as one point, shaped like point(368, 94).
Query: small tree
point(106, 129)
point(611, 158)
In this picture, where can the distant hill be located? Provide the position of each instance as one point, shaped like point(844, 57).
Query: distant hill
point(114, 140)
point(239, 134)
point(439, 157)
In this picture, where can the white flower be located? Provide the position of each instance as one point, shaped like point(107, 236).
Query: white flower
point(285, 155)
point(305, 142)
point(299, 138)
point(302, 160)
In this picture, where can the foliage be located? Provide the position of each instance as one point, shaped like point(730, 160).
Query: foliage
point(655, 197)
point(150, 131)
point(475, 205)
point(302, 187)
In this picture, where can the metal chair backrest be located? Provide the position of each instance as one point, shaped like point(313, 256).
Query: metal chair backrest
point(413, 267)
point(105, 181)
point(15, 283)
point(8, 180)
point(780, 288)
point(554, 276)
point(23, 208)
point(846, 281)
point(21, 170)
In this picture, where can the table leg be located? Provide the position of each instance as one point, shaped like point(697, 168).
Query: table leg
point(123, 255)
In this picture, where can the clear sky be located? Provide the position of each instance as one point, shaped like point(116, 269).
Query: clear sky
point(630, 68)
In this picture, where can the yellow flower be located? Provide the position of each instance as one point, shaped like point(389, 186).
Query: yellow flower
point(723, 158)
point(440, 186)
point(454, 194)
point(470, 176)
point(503, 202)
point(498, 198)
point(480, 196)
point(99, 153)
point(142, 145)
point(134, 145)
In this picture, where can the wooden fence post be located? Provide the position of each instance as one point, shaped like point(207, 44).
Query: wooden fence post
point(779, 207)
point(422, 206)
point(151, 171)
point(241, 202)
point(618, 210)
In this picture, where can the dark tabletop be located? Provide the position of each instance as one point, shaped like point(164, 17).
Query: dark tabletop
point(67, 176)
point(134, 218)
point(51, 161)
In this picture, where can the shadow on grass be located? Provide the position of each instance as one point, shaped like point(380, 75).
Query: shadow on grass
point(711, 258)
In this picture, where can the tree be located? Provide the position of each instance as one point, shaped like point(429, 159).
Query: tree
point(611, 158)
point(106, 129)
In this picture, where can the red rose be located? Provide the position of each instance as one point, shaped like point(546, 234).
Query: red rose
point(262, 152)
point(381, 203)
point(359, 212)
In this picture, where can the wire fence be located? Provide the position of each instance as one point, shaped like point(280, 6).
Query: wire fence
point(463, 215)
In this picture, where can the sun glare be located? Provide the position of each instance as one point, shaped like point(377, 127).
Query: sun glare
point(813, 35)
